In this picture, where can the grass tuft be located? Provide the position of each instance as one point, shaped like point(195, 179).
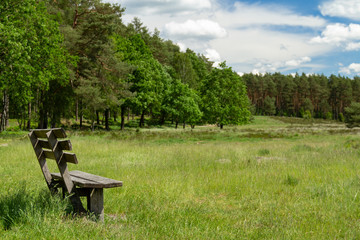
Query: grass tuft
point(264, 152)
point(291, 181)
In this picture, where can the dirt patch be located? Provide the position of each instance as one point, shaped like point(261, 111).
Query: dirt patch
point(265, 159)
point(223, 161)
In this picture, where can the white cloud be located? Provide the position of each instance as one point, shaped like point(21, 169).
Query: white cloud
point(243, 35)
point(353, 46)
point(352, 68)
point(264, 67)
point(341, 8)
point(240, 74)
point(340, 35)
point(297, 62)
point(150, 7)
point(245, 48)
point(182, 47)
point(213, 56)
point(247, 15)
point(203, 29)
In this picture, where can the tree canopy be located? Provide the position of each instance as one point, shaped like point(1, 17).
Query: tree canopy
point(224, 97)
point(62, 60)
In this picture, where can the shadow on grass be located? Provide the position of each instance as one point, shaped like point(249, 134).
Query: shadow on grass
point(22, 206)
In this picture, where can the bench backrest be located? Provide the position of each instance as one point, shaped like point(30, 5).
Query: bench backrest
point(47, 146)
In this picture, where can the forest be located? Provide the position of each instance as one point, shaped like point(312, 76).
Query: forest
point(77, 60)
point(302, 95)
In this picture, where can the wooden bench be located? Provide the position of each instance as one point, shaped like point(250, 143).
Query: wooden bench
point(76, 184)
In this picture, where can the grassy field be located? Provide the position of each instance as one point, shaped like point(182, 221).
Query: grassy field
point(277, 178)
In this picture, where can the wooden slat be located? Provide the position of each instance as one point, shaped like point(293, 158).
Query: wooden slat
point(64, 144)
point(68, 157)
point(49, 154)
point(59, 158)
point(58, 132)
point(42, 161)
point(87, 180)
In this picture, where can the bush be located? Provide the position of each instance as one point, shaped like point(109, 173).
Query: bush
point(328, 116)
point(352, 115)
point(341, 117)
point(307, 114)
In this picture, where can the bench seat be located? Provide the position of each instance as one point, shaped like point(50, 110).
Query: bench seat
point(87, 180)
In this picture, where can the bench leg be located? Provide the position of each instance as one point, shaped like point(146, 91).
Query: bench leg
point(96, 202)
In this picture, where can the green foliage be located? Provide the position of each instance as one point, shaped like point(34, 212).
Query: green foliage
point(269, 106)
point(99, 76)
point(352, 114)
point(182, 103)
point(296, 94)
point(307, 114)
point(341, 117)
point(31, 55)
point(329, 116)
point(224, 99)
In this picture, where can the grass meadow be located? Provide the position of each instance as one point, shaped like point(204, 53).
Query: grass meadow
point(276, 178)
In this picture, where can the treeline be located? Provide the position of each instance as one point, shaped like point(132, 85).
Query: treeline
point(303, 95)
point(77, 60)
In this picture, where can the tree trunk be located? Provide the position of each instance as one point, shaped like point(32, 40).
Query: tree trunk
point(183, 125)
point(92, 125)
point(128, 116)
point(29, 117)
point(107, 114)
point(5, 111)
point(43, 121)
point(97, 118)
point(53, 121)
point(142, 119)
point(81, 120)
point(176, 124)
point(77, 110)
point(221, 126)
point(43, 113)
point(115, 116)
point(81, 114)
point(162, 119)
point(122, 117)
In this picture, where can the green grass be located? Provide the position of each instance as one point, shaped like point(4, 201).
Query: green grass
point(273, 179)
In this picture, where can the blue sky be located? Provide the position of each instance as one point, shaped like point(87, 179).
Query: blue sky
point(318, 36)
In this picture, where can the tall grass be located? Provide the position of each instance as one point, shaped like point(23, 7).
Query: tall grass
point(267, 180)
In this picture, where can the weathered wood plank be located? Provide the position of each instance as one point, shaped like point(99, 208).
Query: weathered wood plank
point(58, 154)
point(41, 133)
point(42, 160)
point(68, 157)
point(96, 203)
point(87, 180)
point(64, 144)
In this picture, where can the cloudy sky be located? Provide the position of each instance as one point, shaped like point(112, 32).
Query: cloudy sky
point(288, 36)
